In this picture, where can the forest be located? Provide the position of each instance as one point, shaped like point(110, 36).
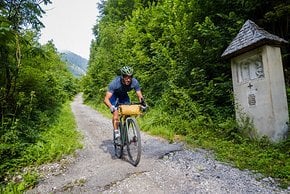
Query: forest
point(34, 85)
point(175, 48)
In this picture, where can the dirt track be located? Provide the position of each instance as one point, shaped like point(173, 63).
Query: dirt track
point(164, 167)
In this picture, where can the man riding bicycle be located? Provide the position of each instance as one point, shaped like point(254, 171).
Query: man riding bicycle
point(118, 92)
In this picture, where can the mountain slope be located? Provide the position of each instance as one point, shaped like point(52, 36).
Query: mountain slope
point(76, 64)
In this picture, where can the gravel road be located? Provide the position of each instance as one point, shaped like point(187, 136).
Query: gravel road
point(164, 168)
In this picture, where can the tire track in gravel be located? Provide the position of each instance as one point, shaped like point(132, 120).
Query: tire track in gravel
point(164, 168)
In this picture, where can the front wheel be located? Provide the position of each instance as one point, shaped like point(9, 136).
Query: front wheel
point(133, 141)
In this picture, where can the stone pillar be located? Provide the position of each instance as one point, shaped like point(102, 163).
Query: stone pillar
point(258, 80)
point(259, 90)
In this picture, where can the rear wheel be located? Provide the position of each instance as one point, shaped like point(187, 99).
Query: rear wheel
point(133, 141)
point(118, 145)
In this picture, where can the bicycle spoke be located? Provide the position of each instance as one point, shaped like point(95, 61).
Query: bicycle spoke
point(133, 141)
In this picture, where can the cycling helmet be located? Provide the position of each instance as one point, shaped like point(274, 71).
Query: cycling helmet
point(126, 70)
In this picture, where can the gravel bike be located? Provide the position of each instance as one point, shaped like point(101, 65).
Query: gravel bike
point(129, 132)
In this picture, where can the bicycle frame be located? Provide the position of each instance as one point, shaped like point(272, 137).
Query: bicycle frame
point(129, 137)
point(123, 129)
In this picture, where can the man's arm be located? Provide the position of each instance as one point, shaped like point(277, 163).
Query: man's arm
point(139, 95)
point(107, 99)
point(108, 102)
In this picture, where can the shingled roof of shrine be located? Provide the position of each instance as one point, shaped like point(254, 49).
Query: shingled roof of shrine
point(250, 37)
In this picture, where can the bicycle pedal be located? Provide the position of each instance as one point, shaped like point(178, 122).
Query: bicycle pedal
point(117, 143)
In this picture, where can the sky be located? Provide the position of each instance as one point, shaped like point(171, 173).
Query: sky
point(69, 24)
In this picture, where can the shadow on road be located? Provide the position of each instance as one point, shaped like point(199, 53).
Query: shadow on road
point(108, 147)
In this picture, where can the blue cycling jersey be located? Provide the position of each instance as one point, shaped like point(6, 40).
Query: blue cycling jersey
point(120, 90)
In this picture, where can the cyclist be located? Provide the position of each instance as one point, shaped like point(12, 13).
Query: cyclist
point(118, 90)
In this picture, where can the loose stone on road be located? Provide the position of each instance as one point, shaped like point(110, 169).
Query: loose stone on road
point(164, 167)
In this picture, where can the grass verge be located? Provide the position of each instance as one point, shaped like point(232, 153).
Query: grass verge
point(58, 140)
point(229, 145)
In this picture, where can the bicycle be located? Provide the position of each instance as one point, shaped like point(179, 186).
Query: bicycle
point(129, 132)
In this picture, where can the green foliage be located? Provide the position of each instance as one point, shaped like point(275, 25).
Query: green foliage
point(23, 13)
point(34, 83)
point(42, 85)
point(56, 140)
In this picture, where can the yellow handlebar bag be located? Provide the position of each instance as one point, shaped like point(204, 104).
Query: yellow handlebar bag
point(133, 109)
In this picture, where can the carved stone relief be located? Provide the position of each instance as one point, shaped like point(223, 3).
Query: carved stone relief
point(250, 69)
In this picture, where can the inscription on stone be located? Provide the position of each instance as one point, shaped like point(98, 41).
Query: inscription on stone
point(252, 99)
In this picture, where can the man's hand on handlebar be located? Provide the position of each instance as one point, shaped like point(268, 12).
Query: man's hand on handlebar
point(113, 109)
point(144, 106)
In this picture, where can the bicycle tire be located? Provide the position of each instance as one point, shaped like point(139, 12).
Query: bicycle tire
point(118, 146)
point(133, 141)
